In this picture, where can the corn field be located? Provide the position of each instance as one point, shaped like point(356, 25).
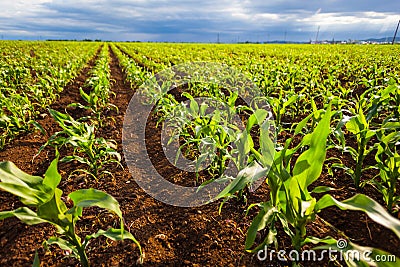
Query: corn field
point(321, 132)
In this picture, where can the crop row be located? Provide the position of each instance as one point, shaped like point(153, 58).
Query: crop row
point(312, 109)
point(78, 142)
point(340, 99)
point(32, 74)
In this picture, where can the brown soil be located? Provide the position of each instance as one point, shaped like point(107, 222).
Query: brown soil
point(170, 236)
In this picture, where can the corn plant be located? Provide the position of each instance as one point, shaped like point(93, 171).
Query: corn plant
point(167, 104)
point(99, 84)
point(16, 117)
point(291, 203)
point(11, 126)
point(135, 74)
point(388, 162)
point(31, 78)
point(43, 195)
point(281, 104)
point(208, 133)
point(95, 152)
point(252, 164)
point(360, 126)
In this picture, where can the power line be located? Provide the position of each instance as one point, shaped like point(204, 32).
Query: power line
point(395, 33)
point(316, 37)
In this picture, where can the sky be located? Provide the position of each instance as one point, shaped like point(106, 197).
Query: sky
point(198, 21)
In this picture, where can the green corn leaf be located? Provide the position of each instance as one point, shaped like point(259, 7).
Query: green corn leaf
point(245, 177)
point(39, 127)
point(194, 107)
point(302, 124)
point(52, 178)
point(75, 157)
point(313, 105)
point(202, 109)
point(202, 158)
point(9, 173)
point(391, 89)
point(63, 244)
point(77, 105)
point(322, 189)
point(85, 96)
point(115, 234)
point(257, 117)
point(267, 145)
point(353, 125)
point(28, 195)
point(363, 203)
point(54, 209)
point(58, 116)
point(232, 99)
point(287, 103)
point(24, 214)
point(84, 198)
point(263, 218)
point(244, 145)
point(309, 164)
point(362, 120)
point(36, 261)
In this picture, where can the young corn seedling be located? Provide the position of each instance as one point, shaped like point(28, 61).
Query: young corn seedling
point(388, 161)
point(215, 131)
point(360, 126)
point(44, 204)
point(391, 97)
point(16, 117)
point(98, 98)
point(95, 152)
point(210, 130)
point(252, 164)
point(280, 106)
point(205, 131)
point(11, 126)
point(135, 74)
point(291, 203)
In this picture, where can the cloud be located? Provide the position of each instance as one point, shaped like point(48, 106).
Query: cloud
point(178, 20)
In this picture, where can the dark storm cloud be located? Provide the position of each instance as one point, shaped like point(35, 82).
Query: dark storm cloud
point(178, 20)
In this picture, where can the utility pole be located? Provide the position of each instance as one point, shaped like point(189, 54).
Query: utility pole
point(395, 33)
point(218, 38)
point(316, 37)
point(285, 37)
